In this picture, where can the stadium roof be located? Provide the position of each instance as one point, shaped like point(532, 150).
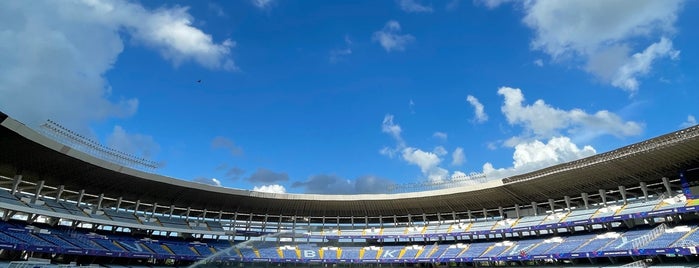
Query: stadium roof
point(36, 157)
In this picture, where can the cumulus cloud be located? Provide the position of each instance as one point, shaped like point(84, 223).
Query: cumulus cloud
point(427, 161)
point(66, 74)
point(691, 121)
point(539, 62)
point(169, 30)
point(413, 6)
point(132, 143)
point(391, 128)
point(458, 157)
point(480, 115)
point(211, 181)
point(390, 37)
point(640, 64)
point(333, 184)
point(535, 155)
point(601, 33)
point(266, 176)
point(220, 142)
point(394, 130)
point(273, 188)
point(543, 120)
point(542, 143)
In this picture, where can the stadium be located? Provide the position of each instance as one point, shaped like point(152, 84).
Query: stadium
point(633, 206)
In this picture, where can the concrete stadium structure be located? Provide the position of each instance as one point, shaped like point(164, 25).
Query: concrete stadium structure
point(628, 205)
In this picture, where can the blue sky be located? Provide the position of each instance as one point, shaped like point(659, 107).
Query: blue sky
point(345, 97)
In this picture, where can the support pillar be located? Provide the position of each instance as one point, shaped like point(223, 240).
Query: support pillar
point(551, 205)
point(622, 191)
point(535, 208)
point(37, 193)
point(15, 184)
point(99, 203)
point(666, 183)
point(155, 206)
point(585, 199)
point(567, 199)
point(644, 188)
point(81, 195)
point(603, 195)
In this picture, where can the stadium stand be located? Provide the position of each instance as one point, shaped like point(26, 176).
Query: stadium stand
point(632, 206)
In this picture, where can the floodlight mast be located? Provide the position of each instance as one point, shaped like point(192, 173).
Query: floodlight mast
point(78, 142)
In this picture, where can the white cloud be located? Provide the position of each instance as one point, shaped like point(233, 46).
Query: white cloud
point(586, 25)
point(273, 188)
point(452, 5)
point(491, 145)
point(340, 53)
point(545, 121)
point(337, 54)
point(691, 121)
point(493, 3)
point(440, 136)
point(427, 161)
point(134, 144)
point(216, 9)
point(640, 64)
point(413, 6)
point(390, 37)
point(535, 155)
point(480, 115)
point(392, 129)
point(169, 30)
point(602, 31)
point(440, 151)
point(262, 4)
point(458, 157)
point(212, 181)
point(63, 70)
point(539, 62)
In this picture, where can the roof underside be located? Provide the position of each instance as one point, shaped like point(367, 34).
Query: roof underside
point(647, 161)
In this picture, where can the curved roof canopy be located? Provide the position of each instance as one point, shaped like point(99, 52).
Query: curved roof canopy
point(27, 152)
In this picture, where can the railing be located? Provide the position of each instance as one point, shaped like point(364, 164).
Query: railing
point(76, 141)
point(470, 179)
point(638, 263)
point(650, 236)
